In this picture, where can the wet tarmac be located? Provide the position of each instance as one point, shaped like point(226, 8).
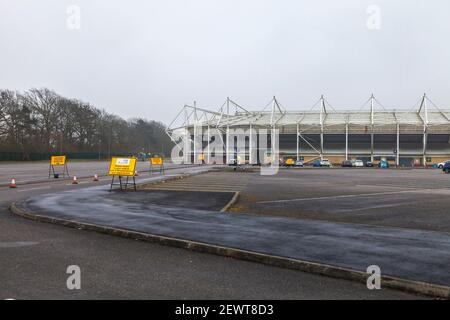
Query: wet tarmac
point(405, 253)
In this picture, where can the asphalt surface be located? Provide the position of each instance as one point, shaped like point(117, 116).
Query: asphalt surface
point(404, 253)
point(34, 257)
point(414, 199)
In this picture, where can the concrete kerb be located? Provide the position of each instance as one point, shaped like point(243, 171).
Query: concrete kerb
point(422, 288)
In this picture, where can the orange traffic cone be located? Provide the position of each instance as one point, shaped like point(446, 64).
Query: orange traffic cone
point(74, 180)
point(95, 177)
point(13, 183)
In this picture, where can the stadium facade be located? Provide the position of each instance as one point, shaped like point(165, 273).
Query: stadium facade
point(419, 136)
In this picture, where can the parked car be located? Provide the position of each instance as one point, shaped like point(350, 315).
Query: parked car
point(446, 167)
point(369, 164)
point(358, 163)
point(316, 163)
point(298, 164)
point(441, 165)
point(325, 163)
point(232, 162)
point(347, 163)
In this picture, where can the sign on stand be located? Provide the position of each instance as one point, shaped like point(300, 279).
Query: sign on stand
point(157, 162)
point(55, 163)
point(122, 167)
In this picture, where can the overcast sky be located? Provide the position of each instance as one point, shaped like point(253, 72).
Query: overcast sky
point(148, 58)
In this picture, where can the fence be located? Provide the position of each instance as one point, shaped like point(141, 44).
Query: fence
point(21, 156)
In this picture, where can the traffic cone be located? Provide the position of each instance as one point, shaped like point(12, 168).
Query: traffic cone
point(95, 177)
point(74, 180)
point(136, 173)
point(13, 183)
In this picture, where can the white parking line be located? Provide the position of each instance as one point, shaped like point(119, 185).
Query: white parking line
point(371, 208)
point(37, 188)
point(388, 186)
point(340, 196)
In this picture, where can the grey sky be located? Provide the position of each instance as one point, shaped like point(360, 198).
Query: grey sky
point(149, 58)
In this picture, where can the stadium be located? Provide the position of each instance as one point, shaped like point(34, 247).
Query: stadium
point(419, 136)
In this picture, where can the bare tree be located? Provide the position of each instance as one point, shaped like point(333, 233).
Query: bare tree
point(40, 120)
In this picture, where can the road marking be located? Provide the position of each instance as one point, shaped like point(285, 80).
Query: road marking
point(340, 196)
point(390, 186)
point(372, 207)
point(17, 244)
point(37, 188)
point(191, 190)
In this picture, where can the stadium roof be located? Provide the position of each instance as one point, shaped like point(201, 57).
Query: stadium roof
point(425, 115)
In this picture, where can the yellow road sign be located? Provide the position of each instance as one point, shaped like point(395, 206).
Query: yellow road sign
point(122, 166)
point(157, 161)
point(57, 160)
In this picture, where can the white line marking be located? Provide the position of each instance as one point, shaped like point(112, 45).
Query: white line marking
point(340, 196)
point(371, 207)
point(388, 185)
point(37, 188)
point(17, 244)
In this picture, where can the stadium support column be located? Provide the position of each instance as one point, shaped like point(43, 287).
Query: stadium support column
point(187, 145)
point(250, 145)
point(346, 141)
point(227, 136)
point(298, 156)
point(195, 132)
point(321, 142)
point(371, 146)
point(208, 147)
point(227, 145)
point(425, 129)
point(424, 152)
point(323, 112)
point(398, 145)
point(187, 140)
point(372, 98)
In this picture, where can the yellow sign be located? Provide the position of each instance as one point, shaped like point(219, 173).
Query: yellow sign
point(57, 160)
point(156, 161)
point(122, 167)
point(289, 162)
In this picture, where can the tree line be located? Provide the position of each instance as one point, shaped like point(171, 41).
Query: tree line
point(42, 121)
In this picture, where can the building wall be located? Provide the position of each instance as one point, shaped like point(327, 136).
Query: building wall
point(359, 147)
